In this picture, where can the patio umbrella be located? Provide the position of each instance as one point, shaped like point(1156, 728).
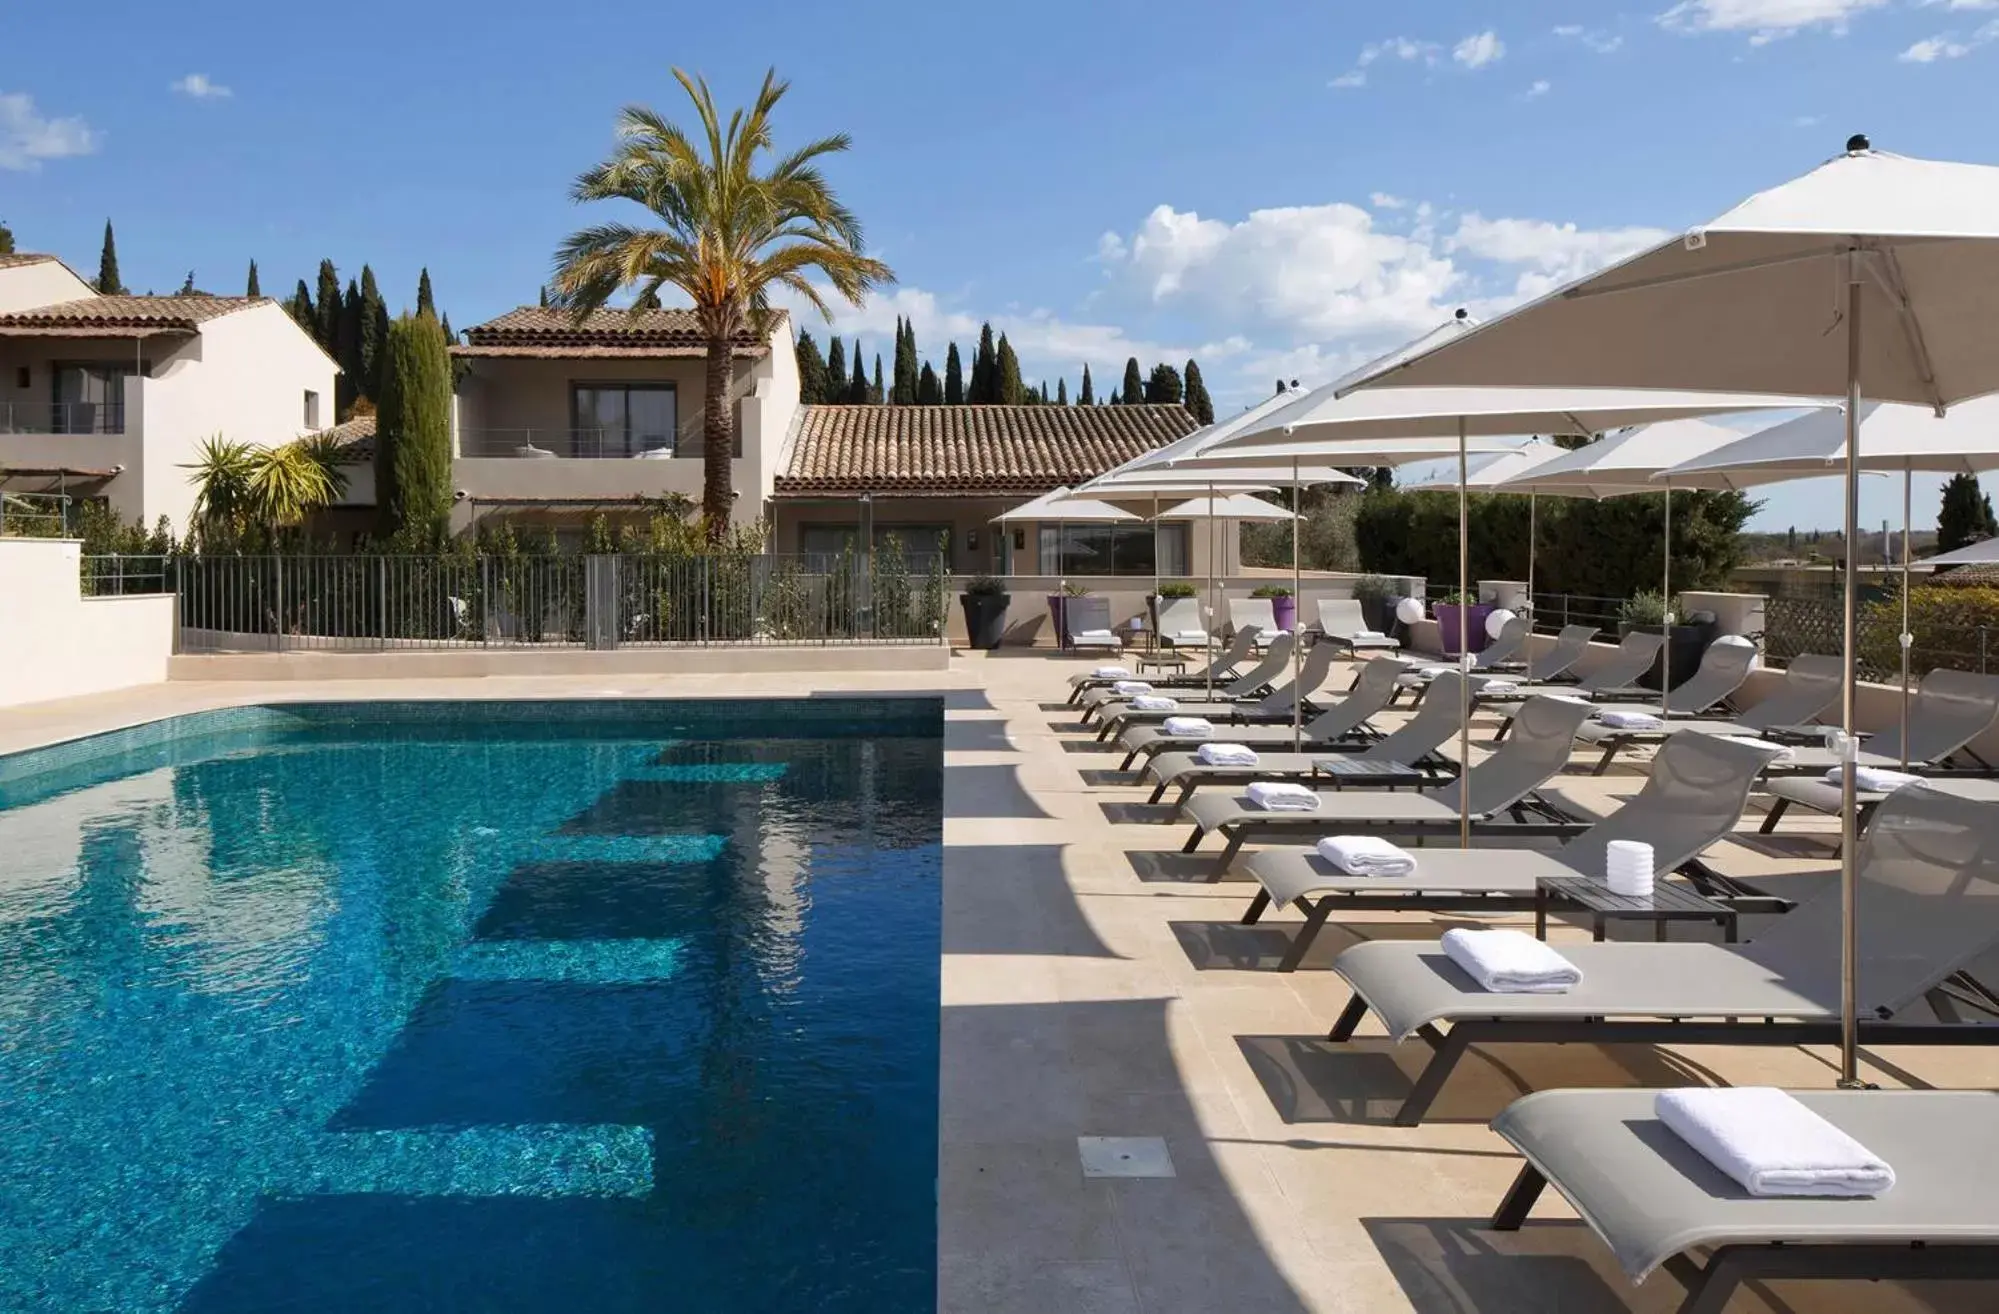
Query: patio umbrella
point(1624, 464)
point(1785, 292)
point(1230, 506)
point(1983, 552)
point(1892, 437)
point(1495, 470)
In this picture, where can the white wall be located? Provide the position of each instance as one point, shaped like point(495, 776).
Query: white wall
point(766, 418)
point(44, 283)
point(55, 643)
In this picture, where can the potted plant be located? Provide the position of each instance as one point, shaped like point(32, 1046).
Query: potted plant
point(1461, 623)
point(1646, 613)
point(1377, 595)
point(985, 601)
point(1283, 607)
point(1168, 591)
point(1058, 613)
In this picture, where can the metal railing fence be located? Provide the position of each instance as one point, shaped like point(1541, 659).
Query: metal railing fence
point(62, 417)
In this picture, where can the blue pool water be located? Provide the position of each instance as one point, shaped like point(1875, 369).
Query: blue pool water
point(474, 1006)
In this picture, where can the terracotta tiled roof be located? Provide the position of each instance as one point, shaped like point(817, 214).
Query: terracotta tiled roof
point(543, 332)
point(150, 314)
point(968, 451)
point(357, 440)
point(14, 258)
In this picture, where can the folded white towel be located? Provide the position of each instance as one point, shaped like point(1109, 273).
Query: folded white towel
point(1369, 634)
point(1555, 698)
point(1631, 721)
point(1226, 755)
point(1095, 636)
point(1770, 1143)
point(1282, 796)
point(1432, 672)
point(1877, 780)
point(1778, 752)
point(1367, 855)
point(1154, 703)
point(1511, 962)
point(1112, 673)
point(1131, 688)
point(1188, 727)
point(1733, 641)
point(1189, 636)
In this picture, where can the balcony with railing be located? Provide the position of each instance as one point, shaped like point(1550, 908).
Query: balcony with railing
point(603, 444)
point(62, 417)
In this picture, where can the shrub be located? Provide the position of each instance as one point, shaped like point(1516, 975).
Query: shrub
point(1954, 627)
point(1376, 588)
point(1272, 591)
point(985, 586)
point(1455, 598)
point(1643, 609)
point(1177, 589)
point(1075, 590)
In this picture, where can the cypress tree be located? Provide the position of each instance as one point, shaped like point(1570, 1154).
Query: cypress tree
point(1061, 392)
point(300, 307)
point(1198, 402)
point(1134, 384)
point(857, 386)
point(929, 392)
point(6, 240)
point(1966, 514)
point(253, 288)
point(984, 387)
point(834, 390)
point(541, 296)
point(811, 370)
point(380, 334)
point(107, 266)
point(954, 378)
point(426, 304)
point(326, 310)
point(188, 289)
point(347, 337)
point(450, 338)
point(875, 394)
point(906, 368)
point(1163, 388)
point(372, 328)
point(1009, 388)
point(413, 433)
point(1087, 397)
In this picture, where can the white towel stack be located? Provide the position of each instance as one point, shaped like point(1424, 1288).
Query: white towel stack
point(1131, 688)
point(1103, 638)
point(1627, 868)
point(1771, 1144)
point(1225, 755)
point(1112, 673)
point(1498, 686)
point(1282, 796)
point(1432, 672)
point(1511, 962)
point(1369, 634)
point(1188, 727)
point(1778, 752)
point(1189, 636)
point(1154, 703)
point(1367, 855)
point(1877, 780)
point(1631, 721)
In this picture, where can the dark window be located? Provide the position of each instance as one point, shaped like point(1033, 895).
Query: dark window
point(622, 419)
point(1113, 549)
point(90, 396)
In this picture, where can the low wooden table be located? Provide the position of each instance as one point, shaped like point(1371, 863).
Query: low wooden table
point(1668, 902)
point(1344, 771)
point(1161, 659)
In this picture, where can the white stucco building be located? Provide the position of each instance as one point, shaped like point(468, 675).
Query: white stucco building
point(112, 397)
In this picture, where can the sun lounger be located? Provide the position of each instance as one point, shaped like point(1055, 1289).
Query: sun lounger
point(1220, 671)
point(1259, 614)
point(1928, 903)
point(1343, 722)
point(1253, 683)
point(1341, 623)
point(1655, 1200)
point(1503, 785)
point(1811, 685)
point(1181, 624)
point(1499, 655)
point(1634, 656)
point(1086, 622)
point(1414, 745)
point(1114, 718)
point(1723, 669)
point(1695, 795)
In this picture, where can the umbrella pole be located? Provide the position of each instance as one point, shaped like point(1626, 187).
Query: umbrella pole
point(1849, 840)
point(1158, 639)
point(1214, 602)
point(1905, 639)
point(1533, 533)
point(1666, 605)
point(1464, 644)
point(1297, 622)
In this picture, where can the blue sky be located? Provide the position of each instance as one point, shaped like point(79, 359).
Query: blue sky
point(1278, 192)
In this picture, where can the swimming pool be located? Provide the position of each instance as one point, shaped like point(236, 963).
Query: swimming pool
point(593, 1006)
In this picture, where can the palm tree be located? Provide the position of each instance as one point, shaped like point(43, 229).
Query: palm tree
point(729, 234)
point(241, 484)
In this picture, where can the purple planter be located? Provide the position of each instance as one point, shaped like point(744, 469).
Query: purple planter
point(1285, 612)
point(1453, 622)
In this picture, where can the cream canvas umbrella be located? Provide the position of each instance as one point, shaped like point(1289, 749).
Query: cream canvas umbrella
point(1965, 439)
point(1495, 470)
point(1871, 278)
point(1981, 553)
point(1063, 506)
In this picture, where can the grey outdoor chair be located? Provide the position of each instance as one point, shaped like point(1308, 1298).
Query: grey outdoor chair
point(1695, 795)
point(1220, 670)
point(1503, 785)
point(1634, 657)
point(1253, 683)
point(1928, 904)
point(1562, 656)
point(1342, 623)
point(1259, 614)
point(1498, 655)
point(1655, 1200)
point(1811, 685)
point(1414, 745)
point(1344, 721)
point(1181, 624)
point(1113, 719)
point(1087, 620)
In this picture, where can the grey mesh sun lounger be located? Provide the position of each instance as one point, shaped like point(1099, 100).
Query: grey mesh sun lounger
point(1221, 671)
point(1113, 719)
point(1723, 669)
point(1180, 623)
point(1413, 745)
point(1342, 623)
point(1811, 685)
point(1259, 614)
point(1928, 904)
point(1497, 656)
point(1654, 1199)
point(1087, 622)
point(1504, 784)
point(1343, 722)
point(1696, 793)
point(1634, 656)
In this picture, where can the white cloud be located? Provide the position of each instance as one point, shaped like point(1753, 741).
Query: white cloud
point(1351, 78)
point(1538, 88)
point(1479, 49)
point(1931, 49)
point(199, 86)
point(27, 138)
point(1807, 121)
point(1399, 49)
point(1384, 201)
point(1603, 43)
point(1764, 20)
point(1547, 254)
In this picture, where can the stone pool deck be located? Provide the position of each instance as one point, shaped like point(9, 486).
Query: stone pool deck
point(1095, 987)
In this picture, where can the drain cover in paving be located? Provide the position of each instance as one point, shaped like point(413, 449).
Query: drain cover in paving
point(1124, 1156)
